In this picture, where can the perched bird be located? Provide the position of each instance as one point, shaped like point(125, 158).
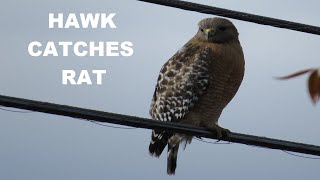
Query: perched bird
point(196, 84)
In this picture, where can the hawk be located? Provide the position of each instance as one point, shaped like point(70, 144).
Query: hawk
point(196, 84)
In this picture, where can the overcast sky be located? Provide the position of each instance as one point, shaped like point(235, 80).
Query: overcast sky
point(40, 146)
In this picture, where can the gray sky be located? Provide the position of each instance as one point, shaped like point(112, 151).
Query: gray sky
point(40, 146)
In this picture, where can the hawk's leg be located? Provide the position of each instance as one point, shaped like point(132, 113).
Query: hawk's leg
point(221, 132)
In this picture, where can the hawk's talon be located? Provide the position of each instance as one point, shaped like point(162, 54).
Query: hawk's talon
point(221, 132)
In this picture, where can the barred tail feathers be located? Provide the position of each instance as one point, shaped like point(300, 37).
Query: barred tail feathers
point(159, 140)
point(172, 158)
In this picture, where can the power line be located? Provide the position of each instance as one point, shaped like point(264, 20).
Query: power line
point(237, 15)
point(106, 117)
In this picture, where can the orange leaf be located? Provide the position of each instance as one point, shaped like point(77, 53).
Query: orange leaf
point(314, 86)
point(295, 74)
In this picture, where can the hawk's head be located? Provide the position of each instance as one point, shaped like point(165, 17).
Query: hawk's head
point(217, 30)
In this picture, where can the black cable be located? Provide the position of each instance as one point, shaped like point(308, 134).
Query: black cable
point(120, 119)
point(237, 15)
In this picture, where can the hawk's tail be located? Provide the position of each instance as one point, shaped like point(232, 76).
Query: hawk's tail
point(172, 158)
point(159, 140)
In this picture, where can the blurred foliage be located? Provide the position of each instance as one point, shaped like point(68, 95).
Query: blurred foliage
point(313, 82)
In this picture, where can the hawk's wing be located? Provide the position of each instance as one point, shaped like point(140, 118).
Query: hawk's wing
point(182, 80)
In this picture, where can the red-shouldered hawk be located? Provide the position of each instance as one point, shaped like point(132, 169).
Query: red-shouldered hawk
point(196, 84)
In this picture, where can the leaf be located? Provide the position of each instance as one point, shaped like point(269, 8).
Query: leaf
point(314, 86)
point(295, 74)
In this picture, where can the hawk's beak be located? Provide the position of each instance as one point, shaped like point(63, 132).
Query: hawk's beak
point(209, 32)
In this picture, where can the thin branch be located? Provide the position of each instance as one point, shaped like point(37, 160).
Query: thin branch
point(126, 120)
point(237, 15)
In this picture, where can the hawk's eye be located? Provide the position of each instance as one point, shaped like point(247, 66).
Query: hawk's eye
point(222, 28)
point(201, 30)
